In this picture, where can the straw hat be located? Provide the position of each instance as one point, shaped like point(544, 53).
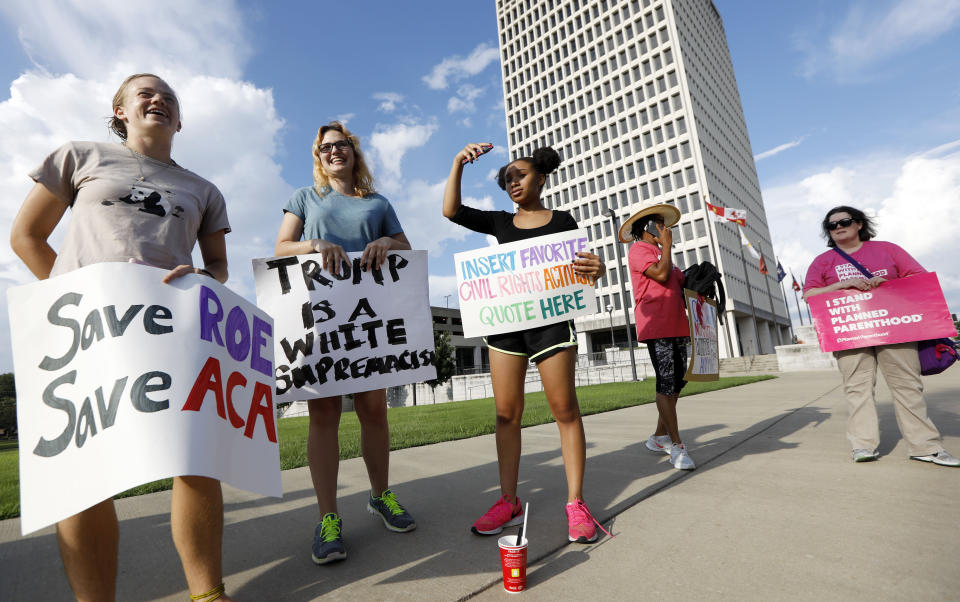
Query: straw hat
point(669, 213)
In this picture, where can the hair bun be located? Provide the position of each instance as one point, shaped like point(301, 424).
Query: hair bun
point(546, 160)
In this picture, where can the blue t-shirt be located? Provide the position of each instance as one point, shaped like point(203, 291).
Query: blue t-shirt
point(350, 222)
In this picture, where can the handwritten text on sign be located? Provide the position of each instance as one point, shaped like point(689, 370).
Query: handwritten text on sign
point(523, 284)
point(898, 311)
point(357, 330)
point(704, 363)
point(123, 380)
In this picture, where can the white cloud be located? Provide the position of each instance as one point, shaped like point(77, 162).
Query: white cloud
point(345, 118)
point(230, 127)
point(388, 101)
point(456, 68)
point(870, 33)
point(778, 149)
point(84, 36)
point(465, 99)
point(913, 198)
point(443, 291)
point(391, 142)
point(465, 122)
point(418, 204)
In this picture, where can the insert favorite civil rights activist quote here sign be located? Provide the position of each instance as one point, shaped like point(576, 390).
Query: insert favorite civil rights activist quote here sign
point(357, 330)
point(123, 380)
point(901, 310)
point(523, 284)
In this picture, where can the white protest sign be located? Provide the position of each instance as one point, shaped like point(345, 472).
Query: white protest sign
point(123, 380)
point(704, 363)
point(357, 330)
point(523, 284)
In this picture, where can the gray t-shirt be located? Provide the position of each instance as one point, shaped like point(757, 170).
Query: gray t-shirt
point(350, 222)
point(128, 206)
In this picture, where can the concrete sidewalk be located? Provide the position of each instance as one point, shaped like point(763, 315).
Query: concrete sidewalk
point(775, 510)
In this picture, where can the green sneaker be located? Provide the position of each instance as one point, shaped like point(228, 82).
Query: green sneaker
point(394, 516)
point(328, 540)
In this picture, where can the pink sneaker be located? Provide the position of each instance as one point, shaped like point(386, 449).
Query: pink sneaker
point(501, 514)
point(581, 523)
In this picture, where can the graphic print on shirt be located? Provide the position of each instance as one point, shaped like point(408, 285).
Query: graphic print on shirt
point(151, 200)
point(847, 271)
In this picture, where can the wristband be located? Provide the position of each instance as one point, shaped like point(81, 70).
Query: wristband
point(206, 272)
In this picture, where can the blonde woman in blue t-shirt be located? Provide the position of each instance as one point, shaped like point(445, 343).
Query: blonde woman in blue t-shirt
point(342, 213)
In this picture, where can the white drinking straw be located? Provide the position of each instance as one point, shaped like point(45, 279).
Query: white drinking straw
point(523, 529)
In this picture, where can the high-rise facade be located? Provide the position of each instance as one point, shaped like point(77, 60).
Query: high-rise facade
point(640, 99)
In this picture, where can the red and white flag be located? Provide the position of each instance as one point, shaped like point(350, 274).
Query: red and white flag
point(726, 214)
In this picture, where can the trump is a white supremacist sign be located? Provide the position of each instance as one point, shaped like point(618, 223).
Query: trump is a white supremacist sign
point(123, 380)
point(356, 330)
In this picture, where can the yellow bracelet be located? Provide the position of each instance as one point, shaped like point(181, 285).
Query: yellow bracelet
point(215, 593)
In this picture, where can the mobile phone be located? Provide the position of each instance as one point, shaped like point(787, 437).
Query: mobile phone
point(484, 149)
point(652, 228)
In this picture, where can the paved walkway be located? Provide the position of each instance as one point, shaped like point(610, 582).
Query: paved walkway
point(775, 510)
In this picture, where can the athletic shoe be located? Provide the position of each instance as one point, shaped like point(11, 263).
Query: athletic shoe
point(865, 455)
point(659, 444)
point(328, 540)
point(394, 516)
point(501, 514)
point(680, 458)
point(942, 457)
point(580, 523)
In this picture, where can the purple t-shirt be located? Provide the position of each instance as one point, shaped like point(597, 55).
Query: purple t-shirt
point(881, 258)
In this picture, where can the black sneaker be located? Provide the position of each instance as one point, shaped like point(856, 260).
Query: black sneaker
point(328, 540)
point(394, 516)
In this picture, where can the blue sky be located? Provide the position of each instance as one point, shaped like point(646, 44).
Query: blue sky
point(846, 102)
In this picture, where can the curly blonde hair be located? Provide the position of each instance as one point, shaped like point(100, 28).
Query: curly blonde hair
point(362, 180)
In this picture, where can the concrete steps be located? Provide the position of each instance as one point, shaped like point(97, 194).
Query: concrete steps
point(753, 364)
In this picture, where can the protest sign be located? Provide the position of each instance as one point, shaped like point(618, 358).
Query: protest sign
point(901, 310)
point(704, 362)
point(523, 284)
point(357, 330)
point(123, 380)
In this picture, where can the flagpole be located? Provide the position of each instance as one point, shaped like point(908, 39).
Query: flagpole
point(716, 255)
point(773, 313)
point(783, 292)
point(753, 310)
point(796, 298)
point(809, 317)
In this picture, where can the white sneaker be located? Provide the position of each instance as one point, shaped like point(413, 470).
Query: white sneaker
point(942, 457)
point(659, 444)
point(680, 458)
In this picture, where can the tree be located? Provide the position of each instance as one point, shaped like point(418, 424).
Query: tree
point(445, 364)
point(8, 405)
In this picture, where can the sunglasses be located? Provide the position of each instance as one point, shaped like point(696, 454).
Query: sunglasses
point(840, 223)
point(341, 145)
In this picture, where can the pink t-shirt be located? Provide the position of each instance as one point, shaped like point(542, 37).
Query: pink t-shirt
point(880, 258)
point(657, 307)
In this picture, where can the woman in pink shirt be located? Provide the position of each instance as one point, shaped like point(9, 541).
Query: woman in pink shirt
point(851, 231)
point(658, 309)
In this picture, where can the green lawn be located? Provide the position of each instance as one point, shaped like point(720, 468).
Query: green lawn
point(409, 427)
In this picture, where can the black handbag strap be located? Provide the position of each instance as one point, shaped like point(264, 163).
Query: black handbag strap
point(855, 263)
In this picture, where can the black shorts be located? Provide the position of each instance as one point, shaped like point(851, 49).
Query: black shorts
point(536, 344)
point(669, 358)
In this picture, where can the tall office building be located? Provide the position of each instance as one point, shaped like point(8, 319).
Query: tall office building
point(640, 99)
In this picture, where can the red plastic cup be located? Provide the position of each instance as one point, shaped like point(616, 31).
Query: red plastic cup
point(513, 561)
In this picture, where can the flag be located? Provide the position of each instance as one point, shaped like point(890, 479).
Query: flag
point(796, 286)
point(763, 266)
point(726, 214)
point(781, 273)
point(746, 243)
